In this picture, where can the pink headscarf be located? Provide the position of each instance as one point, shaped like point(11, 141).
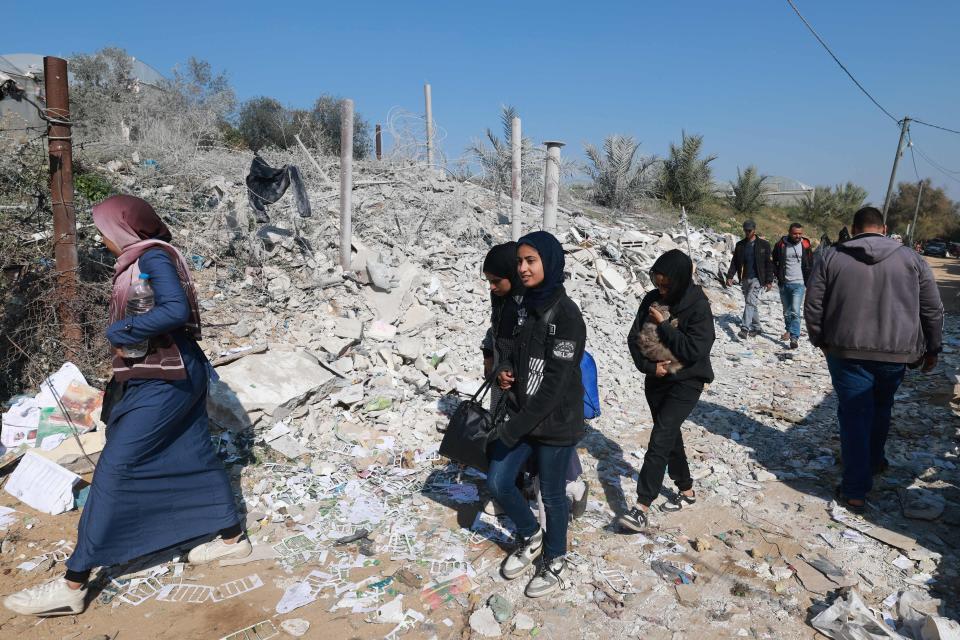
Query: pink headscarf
point(133, 225)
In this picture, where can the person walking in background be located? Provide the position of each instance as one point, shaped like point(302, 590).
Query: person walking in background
point(792, 261)
point(753, 265)
point(873, 308)
point(546, 418)
point(688, 333)
point(159, 481)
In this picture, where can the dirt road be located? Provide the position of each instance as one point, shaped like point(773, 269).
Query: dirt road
point(947, 273)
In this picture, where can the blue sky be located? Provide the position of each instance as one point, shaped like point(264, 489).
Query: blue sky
point(746, 74)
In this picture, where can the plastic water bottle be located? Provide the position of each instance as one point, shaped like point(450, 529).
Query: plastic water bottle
point(139, 301)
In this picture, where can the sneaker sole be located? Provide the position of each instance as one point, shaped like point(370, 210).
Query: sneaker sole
point(540, 594)
point(67, 610)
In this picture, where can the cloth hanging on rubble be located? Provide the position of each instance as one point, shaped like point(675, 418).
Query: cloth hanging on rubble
point(266, 185)
point(159, 481)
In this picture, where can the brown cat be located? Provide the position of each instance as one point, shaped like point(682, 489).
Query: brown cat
point(649, 341)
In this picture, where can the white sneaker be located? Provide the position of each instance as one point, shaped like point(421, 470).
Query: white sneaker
point(549, 578)
point(523, 557)
point(217, 548)
point(52, 598)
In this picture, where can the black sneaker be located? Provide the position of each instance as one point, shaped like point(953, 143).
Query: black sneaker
point(743, 334)
point(678, 503)
point(754, 333)
point(579, 507)
point(634, 520)
point(794, 344)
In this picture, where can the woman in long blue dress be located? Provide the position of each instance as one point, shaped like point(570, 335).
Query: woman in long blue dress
point(158, 482)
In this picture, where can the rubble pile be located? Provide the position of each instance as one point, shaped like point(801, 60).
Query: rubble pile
point(333, 385)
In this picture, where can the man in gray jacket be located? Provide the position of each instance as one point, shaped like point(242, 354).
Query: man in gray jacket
point(873, 308)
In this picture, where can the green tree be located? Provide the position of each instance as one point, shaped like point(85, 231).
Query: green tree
point(747, 195)
point(938, 217)
point(322, 129)
point(264, 122)
point(833, 205)
point(619, 177)
point(686, 179)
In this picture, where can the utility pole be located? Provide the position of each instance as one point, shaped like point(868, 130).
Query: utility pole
point(551, 186)
point(427, 98)
point(904, 127)
point(916, 211)
point(379, 140)
point(60, 150)
point(516, 156)
point(346, 182)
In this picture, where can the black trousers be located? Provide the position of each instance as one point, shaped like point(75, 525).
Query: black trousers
point(670, 404)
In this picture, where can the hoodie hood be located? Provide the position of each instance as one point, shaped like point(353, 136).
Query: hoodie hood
point(869, 248)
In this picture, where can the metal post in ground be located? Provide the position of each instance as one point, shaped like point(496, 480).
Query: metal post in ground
point(516, 224)
point(904, 127)
point(427, 98)
point(346, 182)
point(916, 211)
point(379, 141)
point(551, 185)
point(60, 150)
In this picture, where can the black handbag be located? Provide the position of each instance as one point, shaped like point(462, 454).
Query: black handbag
point(465, 438)
point(111, 397)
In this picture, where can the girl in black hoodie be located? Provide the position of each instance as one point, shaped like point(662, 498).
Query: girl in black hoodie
point(542, 374)
point(671, 396)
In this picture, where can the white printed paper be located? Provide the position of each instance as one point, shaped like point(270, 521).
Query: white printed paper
point(44, 485)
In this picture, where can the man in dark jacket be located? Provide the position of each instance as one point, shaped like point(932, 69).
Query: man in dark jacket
point(753, 265)
point(873, 308)
point(792, 261)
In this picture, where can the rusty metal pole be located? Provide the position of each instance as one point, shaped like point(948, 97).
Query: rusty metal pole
point(60, 150)
point(429, 101)
point(346, 182)
point(515, 184)
point(551, 186)
point(379, 144)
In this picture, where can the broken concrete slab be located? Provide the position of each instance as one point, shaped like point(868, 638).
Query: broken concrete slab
point(265, 383)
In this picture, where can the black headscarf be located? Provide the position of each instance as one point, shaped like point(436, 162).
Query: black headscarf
point(501, 261)
point(676, 265)
point(551, 255)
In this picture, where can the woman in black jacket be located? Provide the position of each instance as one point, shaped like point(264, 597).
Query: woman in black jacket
point(546, 415)
point(671, 396)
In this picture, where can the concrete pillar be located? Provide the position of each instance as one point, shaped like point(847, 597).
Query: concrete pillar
point(551, 185)
point(516, 224)
point(346, 182)
point(428, 100)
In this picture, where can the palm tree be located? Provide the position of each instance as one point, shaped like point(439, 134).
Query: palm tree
point(496, 165)
point(619, 177)
point(686, 178)
point(748, 194)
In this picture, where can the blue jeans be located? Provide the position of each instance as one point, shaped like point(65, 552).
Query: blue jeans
point(865, 392)
point(791, 295)
point(751, 301)
point(552, 463)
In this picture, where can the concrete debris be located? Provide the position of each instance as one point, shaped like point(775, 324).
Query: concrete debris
point(484, 622)
point(332, 432)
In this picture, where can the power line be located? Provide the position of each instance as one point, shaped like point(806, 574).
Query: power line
point(938, 166)
point(936, 126)
point(837, 60)
point(913, 156)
